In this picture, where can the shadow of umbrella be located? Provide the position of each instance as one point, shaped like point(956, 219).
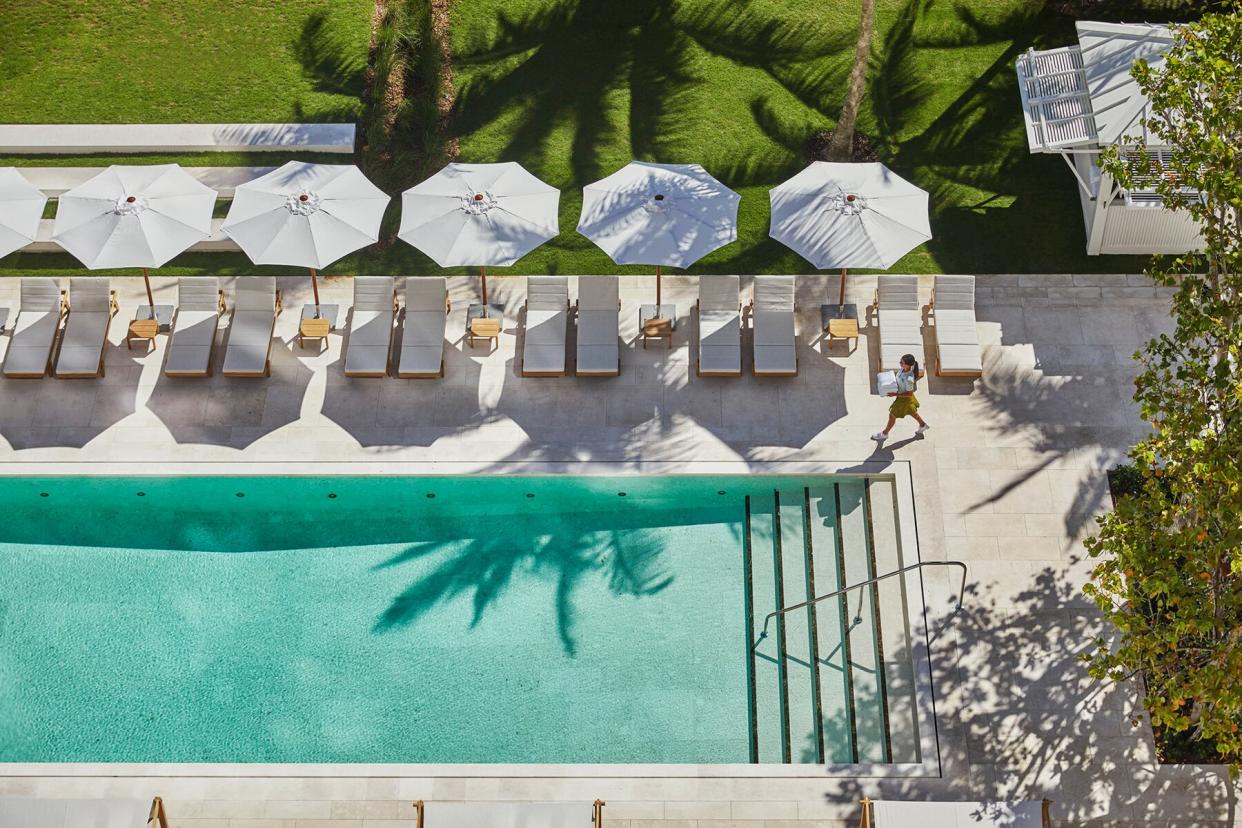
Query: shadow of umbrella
point(68, 414)
point(231, 411)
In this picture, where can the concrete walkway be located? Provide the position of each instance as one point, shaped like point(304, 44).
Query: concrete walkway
point(1009, 479)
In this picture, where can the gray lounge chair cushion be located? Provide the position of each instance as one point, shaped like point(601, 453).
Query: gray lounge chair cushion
point(250, 333)
point(720, 325)
point(86, 328)
point(370, 326)
point(422, 338)
point(547, 320)
point(194, 327)
point(599, 349)
point(900, 319)
point(957, 337)
point(772, 324)
point(956, 814)
point(34, 329)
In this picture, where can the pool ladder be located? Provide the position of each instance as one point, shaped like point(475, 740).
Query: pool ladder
point(830, 675)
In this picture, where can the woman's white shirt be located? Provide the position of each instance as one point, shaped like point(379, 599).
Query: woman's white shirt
point(905, 382)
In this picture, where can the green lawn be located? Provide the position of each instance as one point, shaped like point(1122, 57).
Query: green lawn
point(574, 90)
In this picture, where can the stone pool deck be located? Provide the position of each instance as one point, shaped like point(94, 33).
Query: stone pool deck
point(1008, 480)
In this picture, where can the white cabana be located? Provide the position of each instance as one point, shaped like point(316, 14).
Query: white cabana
point(667, 215)
point(21, 207)
point(306, 215)
point(478, 215)
point(1079, 100)
point(134, 216)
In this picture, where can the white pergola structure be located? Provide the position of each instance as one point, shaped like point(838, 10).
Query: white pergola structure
point(1078, 100)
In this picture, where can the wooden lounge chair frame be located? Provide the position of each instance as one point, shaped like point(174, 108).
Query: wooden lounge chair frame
point(267, 364)
point(569, 309)
point(51, 351)
point(931, 310)
point(698, 362)
point(113, 308)
point(221, 309)
point(617, 373)
point(448, 308)
point(754, 346)
point(868, 813)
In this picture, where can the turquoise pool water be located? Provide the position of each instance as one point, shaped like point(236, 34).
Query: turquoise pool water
point(374, 619)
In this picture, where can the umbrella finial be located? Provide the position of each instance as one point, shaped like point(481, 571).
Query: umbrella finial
point(130, 199)
point(659, 197)
point(478, 196)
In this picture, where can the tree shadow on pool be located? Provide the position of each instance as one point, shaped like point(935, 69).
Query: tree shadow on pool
point(483, 568)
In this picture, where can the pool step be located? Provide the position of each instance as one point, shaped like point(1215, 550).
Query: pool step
point(832, 681)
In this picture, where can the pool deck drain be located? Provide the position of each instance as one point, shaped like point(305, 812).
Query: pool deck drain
point(1009, 479)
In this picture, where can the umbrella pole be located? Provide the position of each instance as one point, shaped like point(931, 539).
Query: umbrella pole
point(150, 296)
point(483, 279)
point(315, 290)
point(659, 270)
point(842, 300)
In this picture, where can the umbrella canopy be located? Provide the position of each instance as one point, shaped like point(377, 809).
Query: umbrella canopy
point(849, 215)
point(479, 215)
point(305, 215)
point(133, 216)
point(659, 214)
point(21, 207)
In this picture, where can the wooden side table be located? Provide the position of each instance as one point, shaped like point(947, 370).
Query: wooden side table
point(658, 328)
point(144, 329)
point(484, 328)
point(843, 329)
point(314, 329)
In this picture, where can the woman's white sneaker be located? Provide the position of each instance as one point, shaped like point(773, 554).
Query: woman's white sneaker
point(879, 436)
point(921, 430)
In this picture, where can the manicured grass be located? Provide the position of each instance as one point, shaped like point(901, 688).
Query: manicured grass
point(575, 90)
point(84, 61)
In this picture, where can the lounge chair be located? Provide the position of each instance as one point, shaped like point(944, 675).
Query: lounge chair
point(369, 344)
point(720, 327)
point(29, 812)
point(200, 303)
point(599, 327)
point(422, 328)
point(35, 328)
point(772, 323)
point(256, 304)
point(547, 319)
point(957, 338)
point(900, 320)
point(891, 814)
point(92, 304)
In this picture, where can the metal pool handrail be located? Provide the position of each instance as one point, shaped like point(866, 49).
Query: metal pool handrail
point(960, 592)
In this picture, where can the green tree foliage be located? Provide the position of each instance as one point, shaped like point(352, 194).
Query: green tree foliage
point(1168, 559)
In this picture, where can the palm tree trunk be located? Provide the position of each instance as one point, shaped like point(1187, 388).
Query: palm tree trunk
point(841, 148)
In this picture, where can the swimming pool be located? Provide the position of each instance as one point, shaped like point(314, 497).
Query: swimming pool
point(441, 620)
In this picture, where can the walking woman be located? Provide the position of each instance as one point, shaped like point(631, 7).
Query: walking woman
point(906, 404)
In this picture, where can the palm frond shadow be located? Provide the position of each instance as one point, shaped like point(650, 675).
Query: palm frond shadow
point(631, 564)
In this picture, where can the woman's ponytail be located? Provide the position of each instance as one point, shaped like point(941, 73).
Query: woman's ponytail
point(910, 359)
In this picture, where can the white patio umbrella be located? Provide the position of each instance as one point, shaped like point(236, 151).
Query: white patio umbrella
point(134, 216)
point(849, 215)
point(659, 214)
point(21, 207)
point(306, 215)
point(478, 215)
